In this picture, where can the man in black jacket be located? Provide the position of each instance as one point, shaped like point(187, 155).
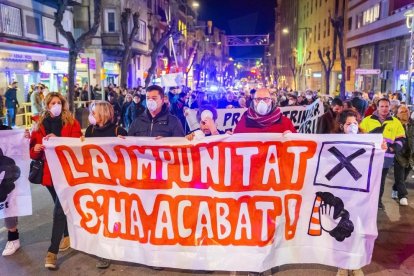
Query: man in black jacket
point(11, 104)
point(327, 123)
point(156, 121)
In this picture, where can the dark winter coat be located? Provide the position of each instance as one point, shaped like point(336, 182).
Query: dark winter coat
point(164, 124)
point(108, 130)
point(327, 123)
point(132, 112)
point(11, 98)
point(405, 157)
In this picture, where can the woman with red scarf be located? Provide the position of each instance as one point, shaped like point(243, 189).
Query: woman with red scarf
point(263, 115)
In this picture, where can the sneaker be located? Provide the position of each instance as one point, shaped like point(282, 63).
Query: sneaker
point(394, 194)
point(357, 272)
point(403, 201)
point(50, 260)
point(11, 247)
point(342, 272)
point(64, 244)
point(103, 263)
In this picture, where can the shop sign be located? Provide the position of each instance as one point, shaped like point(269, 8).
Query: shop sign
point(317, 75)
point(21, 56)
point(361, 71)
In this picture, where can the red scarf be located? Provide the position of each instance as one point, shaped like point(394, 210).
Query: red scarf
point(256, 120)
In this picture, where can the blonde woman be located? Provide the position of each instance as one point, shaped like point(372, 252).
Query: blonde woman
point(55, 121)
point(101, 122)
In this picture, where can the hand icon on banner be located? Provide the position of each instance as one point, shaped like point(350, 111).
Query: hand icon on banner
point(328, 222)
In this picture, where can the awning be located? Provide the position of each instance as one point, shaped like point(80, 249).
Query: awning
point(21, 56)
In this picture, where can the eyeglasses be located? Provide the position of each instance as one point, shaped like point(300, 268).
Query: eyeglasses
point(265, 99)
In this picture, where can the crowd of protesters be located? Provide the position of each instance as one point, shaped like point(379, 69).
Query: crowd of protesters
point(153, 113)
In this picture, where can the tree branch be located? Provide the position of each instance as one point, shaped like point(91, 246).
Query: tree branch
point(62, 5)
point(96, 22)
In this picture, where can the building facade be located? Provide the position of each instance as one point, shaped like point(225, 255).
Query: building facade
point(378, 35)
point(31, 49)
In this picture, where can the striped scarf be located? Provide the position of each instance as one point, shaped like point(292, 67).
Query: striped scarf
point(256, 120)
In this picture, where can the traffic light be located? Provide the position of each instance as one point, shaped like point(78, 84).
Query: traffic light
point(209, 28)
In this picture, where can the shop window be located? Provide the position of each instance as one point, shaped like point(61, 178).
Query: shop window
point(10, 20)
point(142, 32)
point(49, 30)
point(110, 22)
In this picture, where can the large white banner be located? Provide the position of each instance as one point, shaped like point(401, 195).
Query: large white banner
point(173, 203)
point(304, 118)
point(15, 195)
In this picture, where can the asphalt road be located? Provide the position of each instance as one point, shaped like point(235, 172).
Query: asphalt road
point(393, 253)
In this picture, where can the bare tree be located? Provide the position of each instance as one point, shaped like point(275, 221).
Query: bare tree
point(330, 59)
point(127, 40)
point(338, 25)
point(157, 45)
point(75, 45)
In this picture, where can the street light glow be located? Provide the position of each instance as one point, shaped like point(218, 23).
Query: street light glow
point(285, 30)
point(196, 4)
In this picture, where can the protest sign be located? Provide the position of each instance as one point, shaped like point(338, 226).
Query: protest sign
point(15, 195)
point(304, 118)
point(237, 203)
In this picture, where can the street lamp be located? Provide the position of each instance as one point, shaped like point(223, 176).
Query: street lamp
point(196, 4)
point(285, 30)
point(409, 15)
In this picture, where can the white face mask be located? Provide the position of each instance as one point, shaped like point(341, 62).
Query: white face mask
point(91, 119)
point(152, 105)
point(352, 129)
point(56, 109)
point(291, 102)
point(283, 98)
point(262, 108)
point(309, 97)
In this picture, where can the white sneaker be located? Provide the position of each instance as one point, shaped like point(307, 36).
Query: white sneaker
point(394, 194)
point(403, 201)
point(11, 247)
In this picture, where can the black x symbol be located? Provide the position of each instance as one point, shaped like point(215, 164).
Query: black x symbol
point(345, 162)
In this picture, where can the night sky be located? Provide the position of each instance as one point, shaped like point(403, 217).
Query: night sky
point(240, 17)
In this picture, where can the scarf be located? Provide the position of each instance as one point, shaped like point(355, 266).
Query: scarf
point(53, 125)
point(256, 120)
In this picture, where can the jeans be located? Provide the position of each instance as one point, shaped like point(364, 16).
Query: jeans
point(11, 222)
point(400, 175)
point(60, 226)
point(383, 177)
point(11, 117)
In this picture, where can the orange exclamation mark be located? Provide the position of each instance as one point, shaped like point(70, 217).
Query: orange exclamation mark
point(292, 208)
point(315, 221)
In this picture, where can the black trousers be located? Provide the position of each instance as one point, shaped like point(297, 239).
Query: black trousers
point(400, 175)
point(60, 226)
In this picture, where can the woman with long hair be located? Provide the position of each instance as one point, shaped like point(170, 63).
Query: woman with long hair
point(55, 121)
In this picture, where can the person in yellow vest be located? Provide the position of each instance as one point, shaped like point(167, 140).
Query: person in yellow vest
point(381, 121)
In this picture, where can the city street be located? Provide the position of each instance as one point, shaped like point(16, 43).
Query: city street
point(393, 253)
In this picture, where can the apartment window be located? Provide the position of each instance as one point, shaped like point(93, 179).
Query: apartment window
point(350, 23)
point(348, 52)
point(10, 20)
point(32, 25)
point(142, 32)
point(320, 3)
point(368, 16)
point(110, 22)
point(324, 28)
point(329, 27)
point(49, 30)
point(311, 6)
point(149, 4)
point(319, 31)
point(314, 31)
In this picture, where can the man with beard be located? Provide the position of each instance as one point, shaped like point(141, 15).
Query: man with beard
point(327, 123)
point(263, 115)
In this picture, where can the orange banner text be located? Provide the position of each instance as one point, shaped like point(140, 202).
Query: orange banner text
point(188, 220)
point(224, 167)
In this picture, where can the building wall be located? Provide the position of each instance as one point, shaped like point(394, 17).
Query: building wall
point(381, 40)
